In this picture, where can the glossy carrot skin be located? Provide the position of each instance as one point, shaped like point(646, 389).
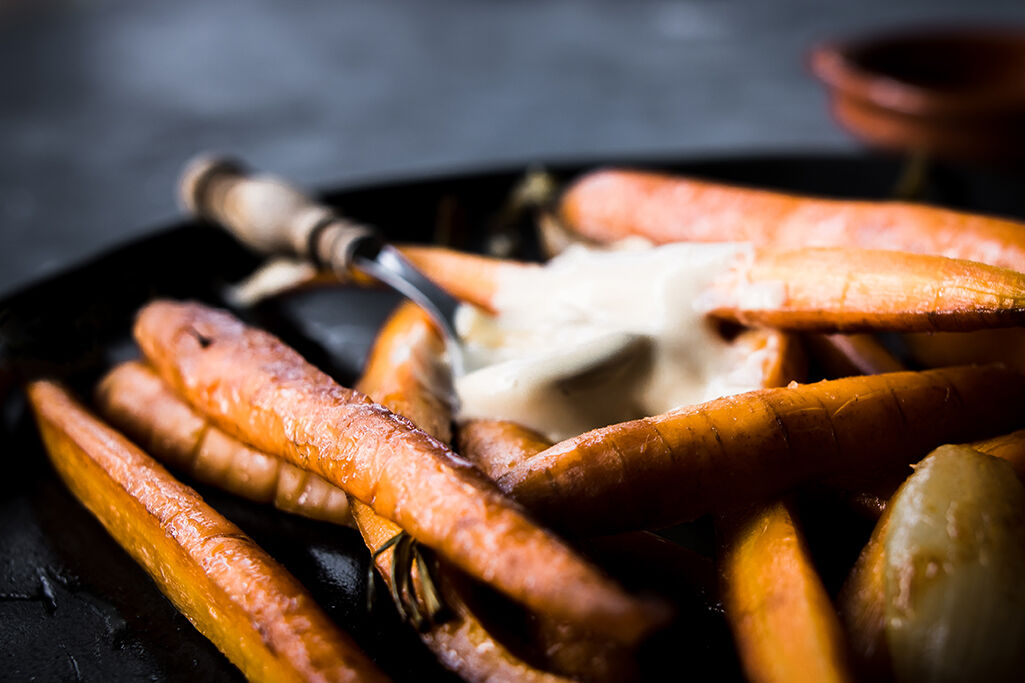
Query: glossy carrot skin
point(495, 446)
point(677, 466)
point(259, 390)
point(232, 592)
point(784, 623)
point(610, 204)
point(405, 372)
point(136, 401)
point(851, 290)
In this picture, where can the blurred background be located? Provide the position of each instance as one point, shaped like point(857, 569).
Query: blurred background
point(102, 101)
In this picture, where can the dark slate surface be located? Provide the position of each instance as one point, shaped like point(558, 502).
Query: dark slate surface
point(101, 101)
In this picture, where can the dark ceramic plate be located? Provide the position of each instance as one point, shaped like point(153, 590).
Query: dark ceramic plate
point(73, 606)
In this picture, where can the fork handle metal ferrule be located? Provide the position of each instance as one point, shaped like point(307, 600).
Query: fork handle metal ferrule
point(271, 216)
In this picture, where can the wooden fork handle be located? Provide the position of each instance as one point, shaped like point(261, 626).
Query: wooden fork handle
point(268, 214)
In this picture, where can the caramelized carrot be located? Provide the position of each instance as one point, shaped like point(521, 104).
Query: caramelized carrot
point(673, 467)
point(462, 643)
point(261, 391)
point(405, 372)
point(231, 591)
point(137, 402)
point(811, 289)
point(831, 289)
point(496, 446)
point(608, 205)
point(782, 619)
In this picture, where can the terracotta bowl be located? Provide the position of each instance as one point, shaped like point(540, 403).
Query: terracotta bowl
point(956, 93)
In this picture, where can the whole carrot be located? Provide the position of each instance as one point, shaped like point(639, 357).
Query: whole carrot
point(784, 624)
point(232, 592)
point(677, 466)
point(809, 289)
point(136, 401)
point(610, 204)
point(264, 393)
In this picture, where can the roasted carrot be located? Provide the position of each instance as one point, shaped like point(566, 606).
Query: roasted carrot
point(673, 467)
point(496, 446)
point(462, 643)
point(259, 390)
point(231, 591)
point(811, 289)
point(827, 289)
point(136, 401)
point(403, 372)
point(843, 355)
point(782, 619)
point(611, 204)
point(406, 372)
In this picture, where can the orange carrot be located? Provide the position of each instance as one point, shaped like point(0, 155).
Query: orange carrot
point(782, 619)
point(407, 373)
point(259, 390)
point(832, 289)
point(608, 205)
point(823, 289)
point(495, 446)
point(403, 374)
point(231, 591)
point(673, 467)
point(137, 402)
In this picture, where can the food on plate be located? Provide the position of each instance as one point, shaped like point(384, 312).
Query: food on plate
point(495, 446)
point(136, 401)
point(256, 388)
point(232, 592)
point(611, 204)
point(597, 338)
point(676, 466)
point(810, 289)
point(402, 374)
point(784, 623)
point(644, 377)
point(937, 593)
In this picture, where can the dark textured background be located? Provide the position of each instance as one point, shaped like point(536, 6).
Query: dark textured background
point(101, 101)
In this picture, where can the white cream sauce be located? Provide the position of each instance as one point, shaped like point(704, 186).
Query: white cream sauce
point(598, 337)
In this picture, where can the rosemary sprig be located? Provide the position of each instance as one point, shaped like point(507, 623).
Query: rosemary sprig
point(422, 608)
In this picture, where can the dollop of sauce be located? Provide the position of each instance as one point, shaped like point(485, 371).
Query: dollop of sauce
point(598, 337)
